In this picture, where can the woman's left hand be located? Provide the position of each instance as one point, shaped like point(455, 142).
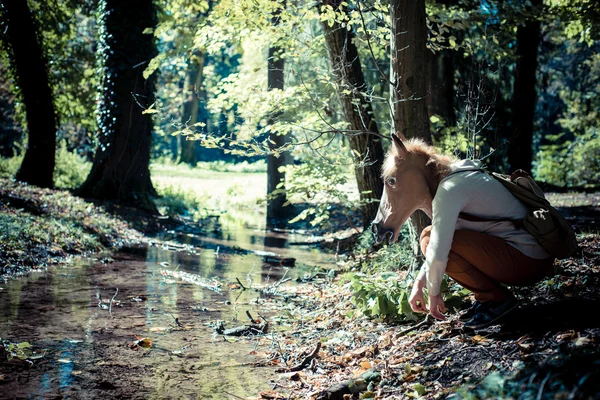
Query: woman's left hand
point(437, 307)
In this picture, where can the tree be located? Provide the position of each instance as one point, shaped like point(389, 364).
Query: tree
point(121, 165)
point(363, 132)
point(190, 106)
point(520, 152)
point(409, 76)
point(276, 212)
point(22, 41)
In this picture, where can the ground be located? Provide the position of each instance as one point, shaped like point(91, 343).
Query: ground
point(547, 349)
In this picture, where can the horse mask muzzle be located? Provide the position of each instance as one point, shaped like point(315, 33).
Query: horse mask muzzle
point(381, 233)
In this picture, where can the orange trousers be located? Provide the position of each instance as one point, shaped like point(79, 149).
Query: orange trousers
point(483, 263)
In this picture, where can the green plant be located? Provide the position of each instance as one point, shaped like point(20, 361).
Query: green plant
point(385, 295)
point(70, 169)
point(176, 201)
point(574, 163)
point(10, 166)
point(321, 183)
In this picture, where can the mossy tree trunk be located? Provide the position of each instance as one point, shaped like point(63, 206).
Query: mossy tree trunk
point(121, 165)
point(276, 212)
point(363, 136)
point(22, 41)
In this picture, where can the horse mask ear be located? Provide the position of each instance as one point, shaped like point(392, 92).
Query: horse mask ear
point(398, 138)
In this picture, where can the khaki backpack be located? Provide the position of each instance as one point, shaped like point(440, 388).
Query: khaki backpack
point(543, 221)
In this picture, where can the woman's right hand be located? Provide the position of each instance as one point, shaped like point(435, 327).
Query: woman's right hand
point(416, 299)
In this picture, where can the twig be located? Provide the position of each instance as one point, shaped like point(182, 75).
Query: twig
point(404, 331)
point(231, 394)
point(250, 317)
point(177, 321)
point(263, 318)
point(241, 284)
point(306, 362)
point(111, 303)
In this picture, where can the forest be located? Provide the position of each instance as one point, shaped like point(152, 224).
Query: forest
point(196, 196)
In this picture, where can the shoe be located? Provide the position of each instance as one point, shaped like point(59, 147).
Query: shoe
point(488, 313)
point(470, 313)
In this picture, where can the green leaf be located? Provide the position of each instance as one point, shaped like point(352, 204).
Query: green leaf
point(452, 41)
point(419, 389)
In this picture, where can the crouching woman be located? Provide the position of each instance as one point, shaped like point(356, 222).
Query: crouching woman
point(472, 237)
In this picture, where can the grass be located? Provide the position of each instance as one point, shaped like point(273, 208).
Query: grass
point(199, 192)
point(40, 226)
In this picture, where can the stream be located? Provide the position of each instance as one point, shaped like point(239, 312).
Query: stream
point(152, 337)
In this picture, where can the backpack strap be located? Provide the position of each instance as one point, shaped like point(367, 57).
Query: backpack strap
point(474, 218)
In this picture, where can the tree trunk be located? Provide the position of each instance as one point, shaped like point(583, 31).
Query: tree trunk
point(30, 68)
point(121, 165)
point(409, 76)
point(190, 107)
point(358, 113)
point(524, 94)
point(276, 212)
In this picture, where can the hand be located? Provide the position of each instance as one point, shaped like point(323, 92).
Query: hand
point(416, 299)
point(437, 307)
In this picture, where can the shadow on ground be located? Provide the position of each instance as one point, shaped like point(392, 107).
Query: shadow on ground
point(554, 316)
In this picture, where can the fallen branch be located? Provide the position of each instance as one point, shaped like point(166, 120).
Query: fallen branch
point(305, 363)
point(250, 329)
point(350, 386)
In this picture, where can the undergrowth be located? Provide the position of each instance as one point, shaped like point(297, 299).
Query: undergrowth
point(38, 225)
point(70, 168)
point(174, 200)
point(383, 281)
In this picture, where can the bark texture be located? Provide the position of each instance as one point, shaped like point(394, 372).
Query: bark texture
point(363, 136)
point(121, 164)
point(520, 152)
point(409, 76)
point(21, 39)
point(276, 212)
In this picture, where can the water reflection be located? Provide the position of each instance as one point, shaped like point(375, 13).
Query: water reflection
point(66, 314)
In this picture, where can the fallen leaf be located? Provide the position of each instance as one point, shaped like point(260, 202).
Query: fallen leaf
point(146, 343)
point(478, 339)
point(270, 395)
point(582, 341)
point(366, 365)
